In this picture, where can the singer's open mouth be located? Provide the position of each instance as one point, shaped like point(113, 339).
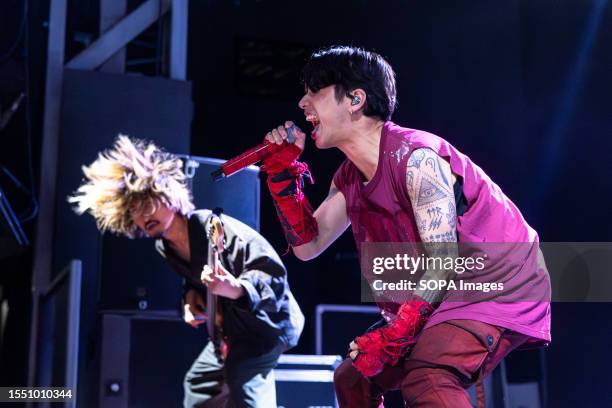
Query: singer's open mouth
point(314, 120)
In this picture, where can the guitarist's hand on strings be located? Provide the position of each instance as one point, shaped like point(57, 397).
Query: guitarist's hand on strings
point(222, 283)
point(193, 309)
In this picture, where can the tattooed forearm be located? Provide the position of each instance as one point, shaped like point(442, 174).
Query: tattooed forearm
point(433, 203)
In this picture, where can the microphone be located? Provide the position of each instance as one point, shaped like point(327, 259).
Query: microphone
point(252, 156)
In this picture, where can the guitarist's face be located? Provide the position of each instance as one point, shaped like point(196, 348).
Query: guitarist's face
point(153, 220)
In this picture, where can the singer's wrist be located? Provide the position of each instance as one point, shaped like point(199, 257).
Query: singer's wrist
point(284, 159)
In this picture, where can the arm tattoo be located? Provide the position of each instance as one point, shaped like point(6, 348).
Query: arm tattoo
point(433, 204)
point(416, 158)
point(431, 163)
point(430, 191)
point(451, 216)
point(409, 180)
point(443, 176)
point(421, 223)
point(444, 237)
point(435, 217)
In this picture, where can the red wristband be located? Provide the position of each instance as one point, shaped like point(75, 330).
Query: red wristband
point(385, 346)
point(286, 182)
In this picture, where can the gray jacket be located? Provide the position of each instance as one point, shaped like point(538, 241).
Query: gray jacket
point(268, 315)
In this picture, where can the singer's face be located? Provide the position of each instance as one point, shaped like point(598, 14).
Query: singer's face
point(330, 118)
point(153, 219)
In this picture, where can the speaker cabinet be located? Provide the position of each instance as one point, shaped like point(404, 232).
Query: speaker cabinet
point(145, 356)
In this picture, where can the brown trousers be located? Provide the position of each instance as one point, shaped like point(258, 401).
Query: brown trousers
point(446, 360)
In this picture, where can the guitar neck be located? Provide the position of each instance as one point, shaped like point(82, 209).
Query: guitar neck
point(215, 247)
point(211, 300)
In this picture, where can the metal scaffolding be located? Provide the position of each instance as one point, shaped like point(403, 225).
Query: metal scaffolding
point(107, 54)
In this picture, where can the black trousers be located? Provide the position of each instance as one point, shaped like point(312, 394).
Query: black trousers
point(245, 379)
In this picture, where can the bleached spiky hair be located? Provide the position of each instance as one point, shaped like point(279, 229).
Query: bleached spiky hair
point(131, 175)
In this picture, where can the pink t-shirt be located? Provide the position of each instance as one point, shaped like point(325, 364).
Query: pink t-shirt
point(380, 211)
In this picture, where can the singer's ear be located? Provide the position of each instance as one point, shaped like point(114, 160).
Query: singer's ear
point(356, 100)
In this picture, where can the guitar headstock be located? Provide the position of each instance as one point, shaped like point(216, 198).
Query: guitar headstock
point(216, 234)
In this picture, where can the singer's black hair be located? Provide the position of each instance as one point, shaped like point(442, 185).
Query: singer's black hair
point(349, 68)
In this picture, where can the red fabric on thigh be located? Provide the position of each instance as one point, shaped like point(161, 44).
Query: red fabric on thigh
point(451, 356)
point(354, 390)
point(447, 358)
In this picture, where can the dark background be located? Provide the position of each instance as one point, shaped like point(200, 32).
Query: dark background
point(522, 87)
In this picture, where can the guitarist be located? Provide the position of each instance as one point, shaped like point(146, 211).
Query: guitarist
point(137, 190)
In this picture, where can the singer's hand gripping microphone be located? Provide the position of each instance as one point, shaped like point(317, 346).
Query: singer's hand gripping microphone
point(252, 156)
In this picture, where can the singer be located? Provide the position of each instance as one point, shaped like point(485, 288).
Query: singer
point(405, 185)
point(137, 190)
